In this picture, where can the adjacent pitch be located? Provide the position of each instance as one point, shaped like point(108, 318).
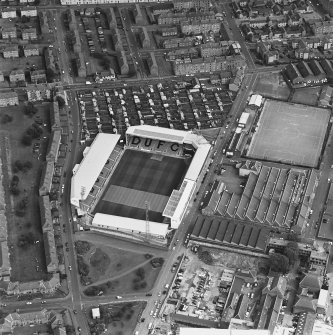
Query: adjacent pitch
point(289, 133)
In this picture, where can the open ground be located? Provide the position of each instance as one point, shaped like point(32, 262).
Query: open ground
point(28, 261)
point(141, 177)
point(289, 133)
point(272, 85)
point(306, 95)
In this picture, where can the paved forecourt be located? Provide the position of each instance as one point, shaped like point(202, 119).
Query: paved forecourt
point(289, 133)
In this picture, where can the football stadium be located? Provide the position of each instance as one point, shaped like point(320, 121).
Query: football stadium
point(142, 190)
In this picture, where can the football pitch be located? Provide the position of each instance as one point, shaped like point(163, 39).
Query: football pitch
point(141, 180)
point(289, 133)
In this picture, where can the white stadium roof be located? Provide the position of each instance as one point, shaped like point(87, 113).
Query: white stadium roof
point(179, 212)
point(122, 223)
point(176, 198)
point(166, 134)
point(197, 162)
point(91, 166)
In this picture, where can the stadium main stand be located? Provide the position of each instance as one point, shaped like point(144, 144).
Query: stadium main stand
point(223, 233)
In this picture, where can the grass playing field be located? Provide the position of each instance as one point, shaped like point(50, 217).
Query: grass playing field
point(141, 177)
point(289, 133)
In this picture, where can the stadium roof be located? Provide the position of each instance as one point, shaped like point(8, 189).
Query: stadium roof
point(197, 162)
point(177, 202)
point(122, 223)
point(166, 134)
point(91, 166)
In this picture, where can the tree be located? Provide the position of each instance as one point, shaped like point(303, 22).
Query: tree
point(15, 191)
point(6, 119)
point(25, 19)
point(34, 131)
point(205, 256)
point(26, 240)
point(26, 140)
point(143, 284)
point(292, 252)
point(50, 75)
point(22, 166)
point(14, 188)
point(292, 237)
point(27, 166)
point(278, 262)
point(30, 109)
point(70, 329)
point(61, 101)
point(140, 272)
point(105, 63)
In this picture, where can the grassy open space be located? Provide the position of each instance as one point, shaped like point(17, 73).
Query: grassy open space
point(141, 279)
point(24, 226)
point(272, 85)
point(306, 96)
point(106, 262)
point(118, 319)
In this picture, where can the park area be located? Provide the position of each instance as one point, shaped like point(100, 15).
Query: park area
point(21, 169)
point(271, 85)
point(116, 319)
point(289, 133)
point(102, 268)
point(140, 279)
